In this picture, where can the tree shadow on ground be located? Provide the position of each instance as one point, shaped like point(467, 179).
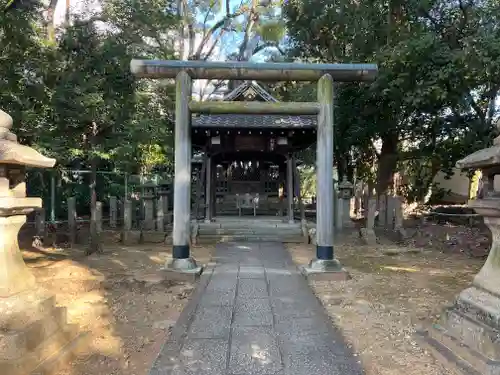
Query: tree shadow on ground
point(119, 297)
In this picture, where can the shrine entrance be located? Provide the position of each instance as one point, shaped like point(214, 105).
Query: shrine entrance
point(246, 138)
point(248, 166)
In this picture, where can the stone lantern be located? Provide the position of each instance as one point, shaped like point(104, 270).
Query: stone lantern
point(148, 197)
point(468, 331)
point(163, 191)
point(346, 190)
point(26, 309)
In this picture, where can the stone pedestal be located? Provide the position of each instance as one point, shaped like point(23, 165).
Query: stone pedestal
point(14, 275)
point(113, 212)
point(34, 335)
point(468, 334)
point(160, 216)
point(127, 221)
point(163, 192)
point(345, 194)
point(148, 198)
point(321, 269)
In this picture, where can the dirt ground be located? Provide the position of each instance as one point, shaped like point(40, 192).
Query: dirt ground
point(129, 311)
point(117, 297)
point(388, 298)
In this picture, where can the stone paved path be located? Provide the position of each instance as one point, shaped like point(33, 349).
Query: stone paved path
point(254, 314)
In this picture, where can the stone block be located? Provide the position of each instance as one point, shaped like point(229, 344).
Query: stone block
point(254, 350)
point(131, 237)
point(252, 288)
point(35, 338)
point(151, 236)
point(211, 323)
point(252, 272)
point(368, 236)
point(253, 312)
point(182, 275)
point(467, 335)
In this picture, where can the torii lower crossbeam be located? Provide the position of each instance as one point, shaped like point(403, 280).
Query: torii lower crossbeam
point(325, 74)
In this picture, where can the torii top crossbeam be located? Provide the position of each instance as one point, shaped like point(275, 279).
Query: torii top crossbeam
point(253, 71)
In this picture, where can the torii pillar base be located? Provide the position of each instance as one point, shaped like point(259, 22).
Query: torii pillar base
point(324, 270)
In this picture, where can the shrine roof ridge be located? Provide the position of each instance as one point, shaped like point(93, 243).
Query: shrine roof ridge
point(235, 121)
point(244, 70)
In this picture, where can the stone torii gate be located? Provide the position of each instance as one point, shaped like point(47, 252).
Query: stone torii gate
point(185, 71)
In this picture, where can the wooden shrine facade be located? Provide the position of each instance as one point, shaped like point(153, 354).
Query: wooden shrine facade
point(248, 160)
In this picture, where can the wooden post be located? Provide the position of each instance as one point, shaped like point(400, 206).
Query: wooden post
point(72, 220)
point(127, 220)
point(160, 216)
point(299, 198)
point(113, 211)
point(182, 181)
point(324, 176)
point(199, 186)
point(289, 187)
point(213, 197)
point(208, 191)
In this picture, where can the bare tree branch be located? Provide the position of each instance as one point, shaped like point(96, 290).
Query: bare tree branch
point(213, 30)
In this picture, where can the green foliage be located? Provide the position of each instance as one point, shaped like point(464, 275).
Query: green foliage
point(433, 101)
point(74, 99)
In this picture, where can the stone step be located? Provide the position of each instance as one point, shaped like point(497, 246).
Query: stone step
point(262, 232)
point(74, 348)
point(50, 347)
point(475, 334)
point(480, 304)
point(250, 238)
point(34, 305)
point(447, 348)
point(19, 342)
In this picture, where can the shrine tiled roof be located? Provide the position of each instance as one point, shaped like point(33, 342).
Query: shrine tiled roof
point(251, 90)
point(254, 121)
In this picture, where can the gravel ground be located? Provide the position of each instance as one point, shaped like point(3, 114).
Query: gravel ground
point(388, 298)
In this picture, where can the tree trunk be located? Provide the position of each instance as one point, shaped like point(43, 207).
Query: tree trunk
point(67, 15)
point(387, 163)
point(95, 243)
point(181, 35)
point(49, 21)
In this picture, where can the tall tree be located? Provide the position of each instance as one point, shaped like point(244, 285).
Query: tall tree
point(424, 75)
